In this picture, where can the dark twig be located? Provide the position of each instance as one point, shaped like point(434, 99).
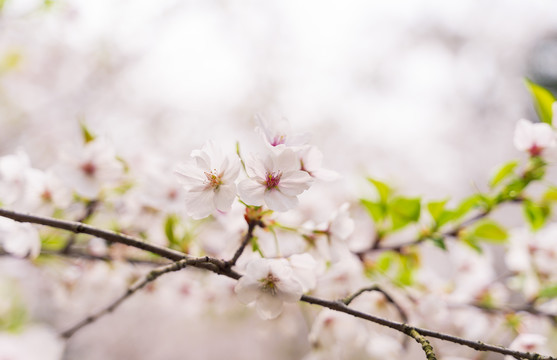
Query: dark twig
point(347, 300)
point(426, 346)
point(150, 277)
point(245, 241)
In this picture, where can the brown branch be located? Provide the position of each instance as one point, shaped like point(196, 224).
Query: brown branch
point(150, 277)
point(89, 210)
point(347, 300)
point(223, 268)
point(251, 226)
point(426, 346)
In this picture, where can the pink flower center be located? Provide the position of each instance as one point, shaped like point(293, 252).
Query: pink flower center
point(273, 180)
point(89, 168)
point(278, 140)
point(213, 180)
point(535, 150)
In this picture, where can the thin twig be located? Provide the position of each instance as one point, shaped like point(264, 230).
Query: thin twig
point(347, 300)
point(150, 277)
point(245, 241)
point(223, 268)
point(426, 346)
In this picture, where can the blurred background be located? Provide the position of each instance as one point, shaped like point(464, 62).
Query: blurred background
point(425, 90)
point(422, 94)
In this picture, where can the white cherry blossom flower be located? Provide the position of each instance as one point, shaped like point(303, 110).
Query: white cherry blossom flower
point(268, 283)
point(209, 183)
point(533, 343)
point(304, 267)
point(88, 171)
point(13, 176)
point(19, 239)
point(275, 181)
point(533, 138)
point(277, 133)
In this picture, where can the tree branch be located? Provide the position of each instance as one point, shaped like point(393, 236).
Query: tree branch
point(150, 277)
point(251, 226)
point(89, 210)
point(426, 346)
point(347, 300)
point(221, 267)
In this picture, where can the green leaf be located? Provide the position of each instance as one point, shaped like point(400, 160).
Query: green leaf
point(467, 204)
point(439, 241)
point(550, 194)
point(503, 172)
point(548, 292)
point(86, 134)
point(543, 101)
point(535, 214)
point(169, 227)
point(383, 190)
point(376, 210)
point(384, 261)
point(472, 241)
point(404, 211)
point(490, 231)
point(436, 208)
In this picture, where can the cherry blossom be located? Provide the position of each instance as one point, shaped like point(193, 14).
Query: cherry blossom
point(268, 283)
point(209, 183)
point(277, 133)
point(534, 343)
point(19, 239)
point(533, 138)
point(274, 181)
point(310, 161)
point(91, 169)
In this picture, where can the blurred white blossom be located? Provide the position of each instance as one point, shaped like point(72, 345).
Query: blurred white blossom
point(533, 138)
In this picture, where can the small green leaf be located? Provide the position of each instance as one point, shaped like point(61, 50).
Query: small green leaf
point(490, 231)
point(473, 242)
point(439, 241)
point(383, 190)
point(86, 134)
point(550, 194)
point(503, 172)
point(467, 204)
point(535, 214)
point(384, 261)
point(377, 211)
point(404, 211)
point(169, 226)
point(543, 101)
point(548, 292)
point(436, 208)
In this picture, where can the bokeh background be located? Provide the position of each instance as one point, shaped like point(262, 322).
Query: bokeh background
point(422, 94)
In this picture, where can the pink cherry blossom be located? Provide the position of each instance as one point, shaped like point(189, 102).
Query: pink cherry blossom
point(275, 181)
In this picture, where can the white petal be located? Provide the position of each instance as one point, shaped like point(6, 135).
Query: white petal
point(224, 197)
point(543, 135)
point(523, 135)
point(251, 192)
point(268, 306)
point(247, 290)
point(287, 160)
point(200, 204)
point(294, 182)
point(277, 201)
point(289, 290)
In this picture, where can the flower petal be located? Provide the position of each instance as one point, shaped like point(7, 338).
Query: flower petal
point(251, 192)
point(268, 306)
point(278, 201)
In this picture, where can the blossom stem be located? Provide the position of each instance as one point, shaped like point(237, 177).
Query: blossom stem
point(251, 226)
